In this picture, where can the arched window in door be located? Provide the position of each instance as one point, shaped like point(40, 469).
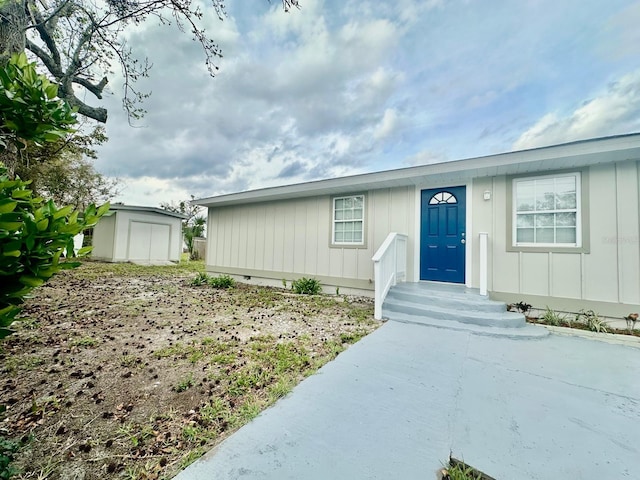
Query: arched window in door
point(443, 197)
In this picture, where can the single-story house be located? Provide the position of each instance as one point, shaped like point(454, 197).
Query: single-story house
point(130, 233)
point(556, 226)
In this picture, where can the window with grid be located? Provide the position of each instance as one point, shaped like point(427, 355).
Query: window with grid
point(547, 211)
point(348, 220)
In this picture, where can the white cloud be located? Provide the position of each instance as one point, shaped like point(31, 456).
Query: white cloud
point(426, 157)
point(614, 111)
point(348, 86)
point(387, 125)
point(150, 191)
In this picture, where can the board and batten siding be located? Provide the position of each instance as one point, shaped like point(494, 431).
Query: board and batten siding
point(103, 237)
point(605, 278)
point(290, 239)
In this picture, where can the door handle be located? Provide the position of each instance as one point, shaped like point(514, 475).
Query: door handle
point(463, 241)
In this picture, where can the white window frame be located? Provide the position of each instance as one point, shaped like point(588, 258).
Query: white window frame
point(334, 221)
point(578, 211)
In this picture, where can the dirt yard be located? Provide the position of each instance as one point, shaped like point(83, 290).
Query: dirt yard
point(121, 371)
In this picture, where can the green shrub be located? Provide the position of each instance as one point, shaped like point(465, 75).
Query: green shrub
point(7, 451)
point(29, 107)
point(306, 286)
point(33, 233)
point(222, 281)
point(593, 321)
point(550, 317)
point(200, 279)
point(33, 236)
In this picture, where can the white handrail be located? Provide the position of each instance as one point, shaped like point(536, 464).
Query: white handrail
point(389, 267)
point(484, 271)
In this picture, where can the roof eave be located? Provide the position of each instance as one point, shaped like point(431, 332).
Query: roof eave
point(569, 155)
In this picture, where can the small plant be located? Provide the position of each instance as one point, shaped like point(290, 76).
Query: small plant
point(631, 319)
point(352, 337)
point(521, 307)
point(200, 279)
point(551, 317)
point(185, 384)
point(458, 470)
point(306, 286)
point(592, 320)
point(222, 281)
point(284, 283)
point(337, 291)
point(85, 342)
point(128, 360)
point(7, 451)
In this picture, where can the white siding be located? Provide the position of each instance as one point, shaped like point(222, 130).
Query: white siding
point(290, 239)
point(608, 272)
point(138, 235)
point(103, 238)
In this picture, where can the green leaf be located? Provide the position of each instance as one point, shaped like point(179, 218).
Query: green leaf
point(51, 91)
point(11, 226)
point(73, 218)
point(7, 205)
point(30, 281)
point(8, 312)
point(5, 332)
point(90, 211)
point(42, 224)
point(83, 251)
point(63, 212)
point(102, 209)
point(19, 193)
point(71, 248)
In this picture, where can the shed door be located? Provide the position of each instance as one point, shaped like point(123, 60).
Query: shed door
point(149, 241)
point(442, 235)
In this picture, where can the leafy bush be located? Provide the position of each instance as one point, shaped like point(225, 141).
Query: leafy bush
point(306, 286)
point(521, 307)
point(29, 107)
point(222, 281)
point(550, 317)
point(200, 279)
point(7, 451)
point(33, 236)
point(593, 321)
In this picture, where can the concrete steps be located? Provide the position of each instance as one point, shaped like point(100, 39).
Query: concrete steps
point(455, 307)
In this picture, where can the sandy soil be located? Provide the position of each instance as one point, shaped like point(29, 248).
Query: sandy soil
point(131, 372)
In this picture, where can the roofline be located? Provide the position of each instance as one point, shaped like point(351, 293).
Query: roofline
point(120, 206)
point(351, 182)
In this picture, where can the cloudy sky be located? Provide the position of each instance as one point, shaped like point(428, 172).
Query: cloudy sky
point(353, 86)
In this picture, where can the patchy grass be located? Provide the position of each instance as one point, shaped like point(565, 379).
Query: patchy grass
point(128, 371)
point(458, 470)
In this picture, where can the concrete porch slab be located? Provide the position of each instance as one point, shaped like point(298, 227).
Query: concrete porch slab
point(399, 401)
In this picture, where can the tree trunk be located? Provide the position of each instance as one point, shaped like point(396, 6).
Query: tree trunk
point(13, 24)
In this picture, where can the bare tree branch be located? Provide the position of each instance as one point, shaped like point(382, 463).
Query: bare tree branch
point(78, 41)
point(94, 88)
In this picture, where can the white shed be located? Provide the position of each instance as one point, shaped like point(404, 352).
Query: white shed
point(130, 233)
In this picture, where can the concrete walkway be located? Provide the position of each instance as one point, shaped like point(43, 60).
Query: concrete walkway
point(395, 405)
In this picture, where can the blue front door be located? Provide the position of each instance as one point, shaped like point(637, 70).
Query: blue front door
point(442, 234)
